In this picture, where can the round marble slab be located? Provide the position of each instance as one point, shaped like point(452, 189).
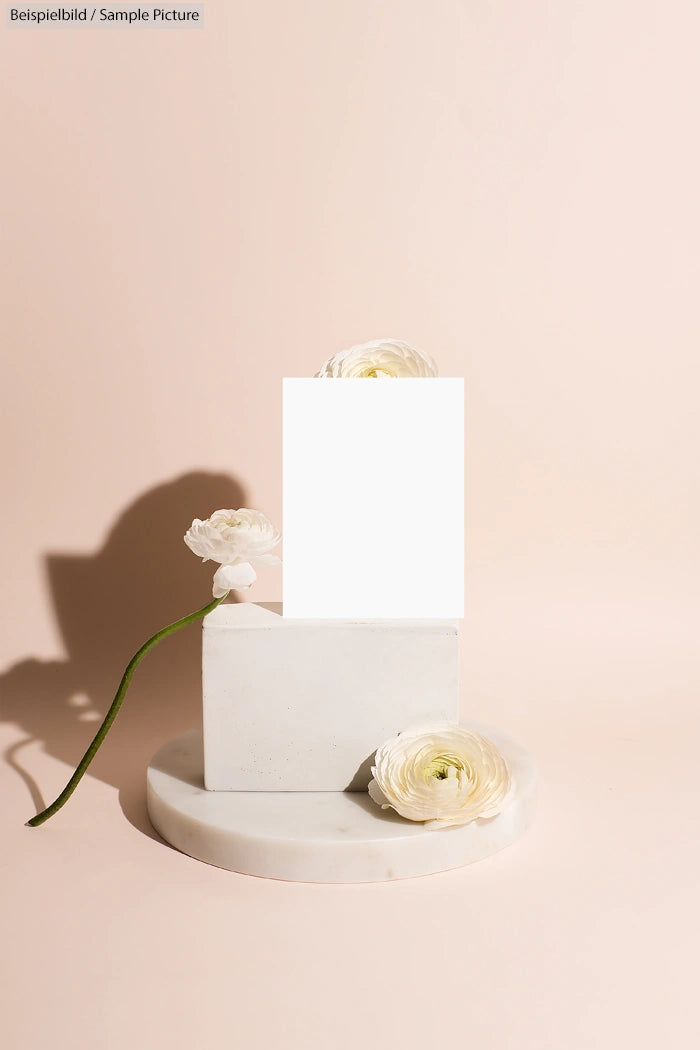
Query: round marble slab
point(319, 836)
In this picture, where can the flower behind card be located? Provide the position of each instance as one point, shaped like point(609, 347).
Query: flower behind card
point(380, 359)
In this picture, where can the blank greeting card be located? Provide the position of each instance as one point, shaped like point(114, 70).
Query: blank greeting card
point(373, 498)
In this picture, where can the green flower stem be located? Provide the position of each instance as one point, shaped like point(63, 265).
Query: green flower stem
point(114, 708)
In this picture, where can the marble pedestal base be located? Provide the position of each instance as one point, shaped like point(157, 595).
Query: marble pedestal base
point(318, 836)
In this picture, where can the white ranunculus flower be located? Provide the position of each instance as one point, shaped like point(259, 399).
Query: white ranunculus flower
point(237, 539)
point(229, 536)
point(442, 773)
point(380, 359)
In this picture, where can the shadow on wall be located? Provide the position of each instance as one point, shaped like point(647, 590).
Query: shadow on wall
point(107, 604)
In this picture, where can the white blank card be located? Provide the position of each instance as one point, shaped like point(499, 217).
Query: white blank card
point(373, 493)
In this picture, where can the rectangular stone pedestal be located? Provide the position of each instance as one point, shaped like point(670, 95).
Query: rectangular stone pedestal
point(302, 705)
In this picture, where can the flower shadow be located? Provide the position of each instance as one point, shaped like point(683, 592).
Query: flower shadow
point(357, 792)
point(106, 605)
point(389, 816)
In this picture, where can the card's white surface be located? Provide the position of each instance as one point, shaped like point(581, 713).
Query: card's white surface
point(373, 520)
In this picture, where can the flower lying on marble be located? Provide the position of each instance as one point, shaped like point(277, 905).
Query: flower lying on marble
point(380, 359)
point(237, 539)
point(443, 773)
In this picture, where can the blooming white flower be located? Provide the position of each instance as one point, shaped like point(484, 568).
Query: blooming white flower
point(237, 539)
point(380, 359)
point(442, 773)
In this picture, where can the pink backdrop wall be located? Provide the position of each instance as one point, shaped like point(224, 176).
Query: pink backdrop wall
point(188, 216)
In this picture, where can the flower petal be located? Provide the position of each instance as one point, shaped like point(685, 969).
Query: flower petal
point(233, 578)
point(266, 559)
point(377, 795)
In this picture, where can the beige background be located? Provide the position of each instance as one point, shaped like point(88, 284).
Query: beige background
point(189, 216)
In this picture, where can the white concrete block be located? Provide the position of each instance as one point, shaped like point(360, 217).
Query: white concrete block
point(373, 494)
point(302, 705)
